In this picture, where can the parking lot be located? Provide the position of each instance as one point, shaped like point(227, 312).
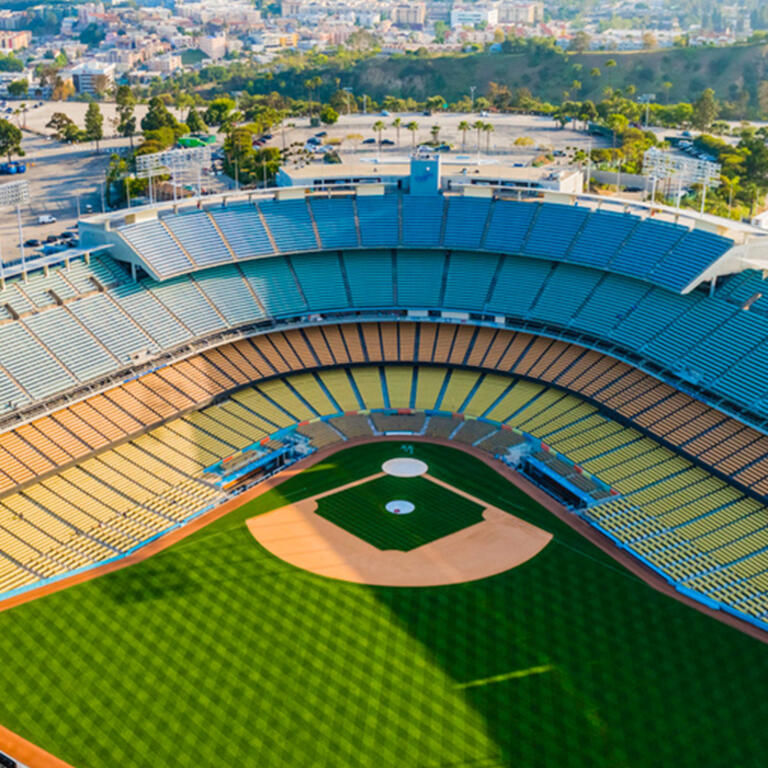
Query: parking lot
point(67, 178)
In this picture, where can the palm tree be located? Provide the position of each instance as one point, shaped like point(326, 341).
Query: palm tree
point(488, 129)
point(396, 124)
point(610, 64)
point(478, 126)
point(464, 126)
point(379, 126)
point(732, 185)
point(435, 131)
point(413, 126)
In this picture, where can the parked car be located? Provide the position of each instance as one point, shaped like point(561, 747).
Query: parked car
point(369, 141)
point(32, 243)
point(320, 135)
point(52, 239)
point(46, 218)
point(388, 142)
point(67, 235)
point(384, 113)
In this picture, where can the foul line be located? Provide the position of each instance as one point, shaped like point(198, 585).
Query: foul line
point(507, 676)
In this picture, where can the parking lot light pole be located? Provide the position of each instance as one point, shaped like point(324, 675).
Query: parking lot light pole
point(14, 193)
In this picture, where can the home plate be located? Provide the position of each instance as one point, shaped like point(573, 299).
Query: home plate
point(404, 467)
point(399, 507)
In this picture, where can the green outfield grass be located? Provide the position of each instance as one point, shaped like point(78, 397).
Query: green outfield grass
point(214, 653)
point(361, 510)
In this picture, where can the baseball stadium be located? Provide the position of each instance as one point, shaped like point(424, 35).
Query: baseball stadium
point(362, 474)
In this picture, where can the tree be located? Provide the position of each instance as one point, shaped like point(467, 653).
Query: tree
point(158, 116)
point(64, 127)
point(379, 126)
point(182, 100)
point(667, 86)
point(435, 132)
point(397, 124)
point(649, 41)
point(478, 125)
point(92, 35)
point(94, 124)
point(329, 115)
point(595, 72)
point(10, 139)
point(413, 126)
point(126, 120)
point(464, 126)
point(488, 129)
point(441, 30)
point(18, 89)
point(580, 42)
point(705, 110)
point(194, 122)
point(435, 103)
point(610, 64)
point(219, 110)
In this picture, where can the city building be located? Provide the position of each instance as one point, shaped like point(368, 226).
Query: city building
point(471, 15)
point(15, 40)
point(93, 77)
point(410, 14)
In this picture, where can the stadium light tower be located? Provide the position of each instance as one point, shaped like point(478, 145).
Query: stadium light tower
point(173, 161)
point(659, 165)
point(14, 193)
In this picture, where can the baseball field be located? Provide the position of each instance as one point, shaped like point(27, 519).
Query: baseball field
point(216, 652)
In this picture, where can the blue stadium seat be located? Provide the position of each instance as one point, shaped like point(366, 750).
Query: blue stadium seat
point(564, 293)
point(243, 229)
point(140, 304)
point(188, 303)
point(335, 220)
point(554, 229)
point(290, 225)
point(155, 244)
point(370, 278)
point(80, 352)
point(274, 284)
point(599, 240)
point(509, 225)
point(378, 218)
point(466, 222)
point(689, 258)
point(226, 288)
point(646, 246)
point(469, 279)
point(419, 278)
point(321, 280)
point(519, 282)
point(198, 237)
point(422, 220)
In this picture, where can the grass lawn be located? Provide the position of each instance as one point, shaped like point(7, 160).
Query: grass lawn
point(361, 511)
point(215, 653)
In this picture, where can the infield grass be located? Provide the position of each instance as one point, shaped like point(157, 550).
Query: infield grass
point(438, 512)
point(215, 653)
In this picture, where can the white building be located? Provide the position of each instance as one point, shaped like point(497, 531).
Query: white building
point(93, 77)
point(469, 17)
point(214, 47)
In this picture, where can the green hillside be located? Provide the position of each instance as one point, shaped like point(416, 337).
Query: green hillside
point(730, 71)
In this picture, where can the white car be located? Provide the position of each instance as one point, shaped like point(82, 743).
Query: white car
point(46, 218)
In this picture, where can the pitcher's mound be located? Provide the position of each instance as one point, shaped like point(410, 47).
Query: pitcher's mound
point(404, 467)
